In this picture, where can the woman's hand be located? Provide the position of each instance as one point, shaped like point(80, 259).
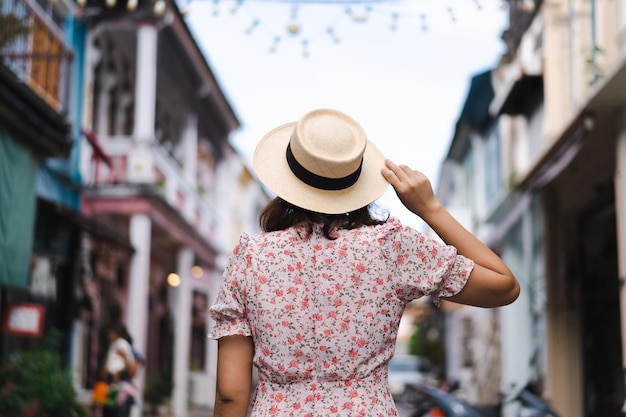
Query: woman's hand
point(412, 187)
point(491, 283)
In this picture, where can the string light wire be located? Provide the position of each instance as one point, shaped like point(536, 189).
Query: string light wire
point(397, 12)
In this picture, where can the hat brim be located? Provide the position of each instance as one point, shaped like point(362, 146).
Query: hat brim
point(270, 163)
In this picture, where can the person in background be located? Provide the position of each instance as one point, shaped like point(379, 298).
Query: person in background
point(314, 302)
point(119, 369)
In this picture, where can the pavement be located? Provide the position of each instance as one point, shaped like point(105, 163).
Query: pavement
point(193, 412)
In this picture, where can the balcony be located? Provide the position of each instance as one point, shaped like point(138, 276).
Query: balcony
point(124, 156)
point(32, 47)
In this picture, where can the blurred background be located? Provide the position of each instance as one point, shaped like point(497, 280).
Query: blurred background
point(126, 132)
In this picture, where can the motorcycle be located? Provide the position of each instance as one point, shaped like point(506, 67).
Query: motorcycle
point(429, 401)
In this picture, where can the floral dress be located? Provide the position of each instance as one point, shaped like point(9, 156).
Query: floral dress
point(324, 314)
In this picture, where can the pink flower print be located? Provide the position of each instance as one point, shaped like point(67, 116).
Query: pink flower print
point(287, 252)
point(347, 405)
point(279, 398)
point(310, 398)
point(292, 290)
point(434, 251)
point(293, 363)
point(265, 352)
point(361, 342)
point(263, 279)
point(338, 302)
point(327, 332)
point(354, 393)
point(317, 317)
point(279, 293)
point(353, 354)
point(317, 247)
point(285, 323)
point(296, 406)
point(400, 259)
point(356, 280)
point(291, 341)
point(334, 409)
point(273, 411)
point(328, 261)
point(288, 307)
point(361, 268)
point(332, 314)
point(323, 348)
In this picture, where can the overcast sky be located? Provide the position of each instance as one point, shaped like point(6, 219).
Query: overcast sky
point(405, 85)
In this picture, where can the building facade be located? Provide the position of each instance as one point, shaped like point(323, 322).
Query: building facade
point(116, 159)
point(559, 110)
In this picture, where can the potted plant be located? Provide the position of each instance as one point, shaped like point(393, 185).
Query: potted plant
point(32, 384)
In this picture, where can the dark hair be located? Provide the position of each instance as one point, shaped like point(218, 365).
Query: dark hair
point(278, 214)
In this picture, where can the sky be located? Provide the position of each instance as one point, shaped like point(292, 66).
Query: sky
point(374, 61)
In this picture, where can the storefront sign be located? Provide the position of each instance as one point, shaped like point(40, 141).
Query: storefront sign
point(23, 319)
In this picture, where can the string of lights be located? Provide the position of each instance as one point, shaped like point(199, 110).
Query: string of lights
point(415, 13)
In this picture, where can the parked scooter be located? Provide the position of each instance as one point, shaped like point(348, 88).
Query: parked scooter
point(434, 402)
point(530, 404)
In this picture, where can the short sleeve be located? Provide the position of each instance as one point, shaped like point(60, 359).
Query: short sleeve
point(228, 311)
point(426, 266)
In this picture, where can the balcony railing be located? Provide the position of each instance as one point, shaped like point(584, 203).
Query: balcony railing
point(33, 48)
point(166, 176)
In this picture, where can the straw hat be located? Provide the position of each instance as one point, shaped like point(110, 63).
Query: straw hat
point(323, 163)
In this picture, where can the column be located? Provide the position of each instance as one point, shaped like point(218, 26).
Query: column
point(620, 214)
point(182, 334)
point(140, 160)
point(190, 149)
point(140, 231)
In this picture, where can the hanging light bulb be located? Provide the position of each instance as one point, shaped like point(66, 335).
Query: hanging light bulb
point(110, 3)
point(81, 3)
point(131, 5)
point(452, 15)
point(529, 6)
point(362, 17)
point(216, 8)
point(293, 28)
point(275, 44)
point(424, 23)
point(159, 8)
point(394, 22)
point(236, 7)
point(252, 26)
point(333, 35)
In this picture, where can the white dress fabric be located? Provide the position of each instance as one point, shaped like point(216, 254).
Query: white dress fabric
point(324, 314)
